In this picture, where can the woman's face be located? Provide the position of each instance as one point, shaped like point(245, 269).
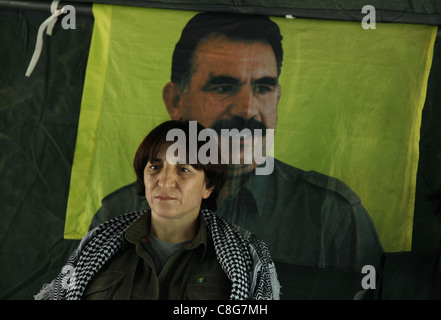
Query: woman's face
point(174, 191)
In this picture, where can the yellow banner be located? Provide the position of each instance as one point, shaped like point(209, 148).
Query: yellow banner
point(350, 107)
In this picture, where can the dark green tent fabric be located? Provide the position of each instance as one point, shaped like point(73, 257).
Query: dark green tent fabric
point(427, 217)
point(38, 127)
point(411, 276)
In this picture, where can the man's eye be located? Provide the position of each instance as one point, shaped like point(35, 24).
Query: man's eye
point(223, 89)
point(263, 89)
point(154, 167)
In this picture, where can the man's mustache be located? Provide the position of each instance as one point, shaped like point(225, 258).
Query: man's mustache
point(239, 123)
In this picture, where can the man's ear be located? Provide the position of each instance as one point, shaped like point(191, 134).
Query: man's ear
point(171, 94)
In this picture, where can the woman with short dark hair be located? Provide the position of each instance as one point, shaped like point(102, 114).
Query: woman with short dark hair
point(177, 249)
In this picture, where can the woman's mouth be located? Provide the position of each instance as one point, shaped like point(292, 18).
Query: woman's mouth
point(164, 198)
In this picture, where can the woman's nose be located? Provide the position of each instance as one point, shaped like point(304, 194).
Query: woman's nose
point(167, 179)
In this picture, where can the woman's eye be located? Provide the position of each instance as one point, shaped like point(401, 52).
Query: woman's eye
point(184, 170)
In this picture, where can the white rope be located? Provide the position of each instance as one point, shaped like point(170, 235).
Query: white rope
point(49, 23)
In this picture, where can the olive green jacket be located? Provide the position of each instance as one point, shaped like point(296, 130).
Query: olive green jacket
point(191, 273)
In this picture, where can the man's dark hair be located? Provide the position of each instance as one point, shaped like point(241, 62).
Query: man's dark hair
point(216, 174)
point(236, 27)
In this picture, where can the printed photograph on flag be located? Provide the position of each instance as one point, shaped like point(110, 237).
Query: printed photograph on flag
point(344, 102)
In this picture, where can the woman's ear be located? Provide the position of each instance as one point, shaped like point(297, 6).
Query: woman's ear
point(208, 192)
point(171, 94)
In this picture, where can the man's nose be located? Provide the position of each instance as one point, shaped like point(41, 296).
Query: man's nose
point(245, 104)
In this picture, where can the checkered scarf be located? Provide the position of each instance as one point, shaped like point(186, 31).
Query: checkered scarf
point(244, 258)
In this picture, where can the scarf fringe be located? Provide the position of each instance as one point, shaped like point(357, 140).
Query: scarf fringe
point(46, 292)
point(275, 284)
